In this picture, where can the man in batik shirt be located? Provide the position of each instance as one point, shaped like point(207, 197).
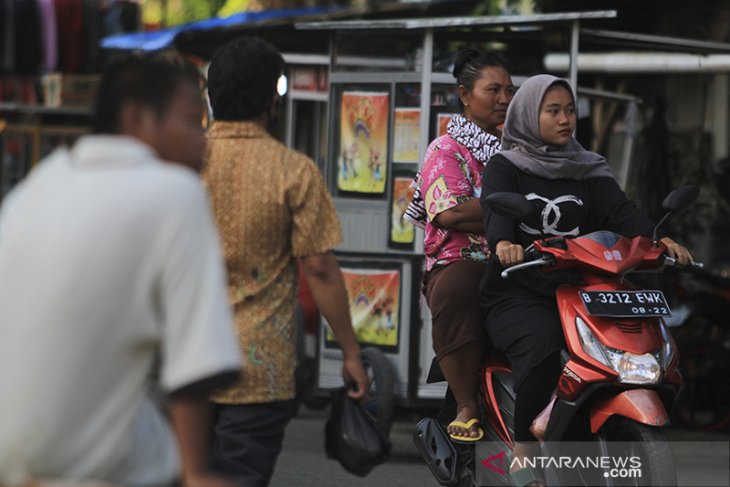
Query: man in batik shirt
point(272, 209)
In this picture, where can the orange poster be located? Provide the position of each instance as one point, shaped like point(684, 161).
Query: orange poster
point(401, 230)
point(374, 305)
point(362, 162)
point(406, 134)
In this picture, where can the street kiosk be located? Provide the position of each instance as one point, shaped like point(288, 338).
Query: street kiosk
point(391, 92)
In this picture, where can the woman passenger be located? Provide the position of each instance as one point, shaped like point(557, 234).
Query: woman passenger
point(455, 246)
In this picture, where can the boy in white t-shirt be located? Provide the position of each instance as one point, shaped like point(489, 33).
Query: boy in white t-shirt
point(111, 274)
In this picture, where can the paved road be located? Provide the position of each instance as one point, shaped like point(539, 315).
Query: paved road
point(303, 462)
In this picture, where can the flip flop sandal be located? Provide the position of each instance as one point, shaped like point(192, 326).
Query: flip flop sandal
point(466, 426)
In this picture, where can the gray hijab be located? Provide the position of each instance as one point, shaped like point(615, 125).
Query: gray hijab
point(523, 146)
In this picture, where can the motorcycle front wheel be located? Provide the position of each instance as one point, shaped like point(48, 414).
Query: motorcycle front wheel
point(625, 438)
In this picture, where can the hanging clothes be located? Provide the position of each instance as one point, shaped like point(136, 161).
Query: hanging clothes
point(152, 15)
point(70, 27)
point(7, 36)
point(49, 34)
point(92, 29)
point(28, 47)
point(122, 17)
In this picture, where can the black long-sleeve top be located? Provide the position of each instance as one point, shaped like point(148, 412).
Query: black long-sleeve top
point(564, 207)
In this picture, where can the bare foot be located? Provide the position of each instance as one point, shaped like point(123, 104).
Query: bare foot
point(464, 414)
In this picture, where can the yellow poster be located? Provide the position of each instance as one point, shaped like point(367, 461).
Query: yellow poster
point(406, 134)
point(401, 230)
point(362, 162)
point(374, 305)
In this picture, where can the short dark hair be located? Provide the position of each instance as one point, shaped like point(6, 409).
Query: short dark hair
point(470, 62)
point(242, 78)
point(151, 80)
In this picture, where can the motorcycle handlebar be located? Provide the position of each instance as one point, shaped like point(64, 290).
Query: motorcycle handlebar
point(672, 262)
point(525, 265)
point(542, 261)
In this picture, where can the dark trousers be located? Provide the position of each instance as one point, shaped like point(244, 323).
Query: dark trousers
point(534, 394)
point(247, 440)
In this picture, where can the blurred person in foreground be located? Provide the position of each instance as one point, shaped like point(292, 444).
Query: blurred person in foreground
point(272, 209)
point(112, 286)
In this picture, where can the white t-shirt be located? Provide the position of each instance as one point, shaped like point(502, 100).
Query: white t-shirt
point(109, 259)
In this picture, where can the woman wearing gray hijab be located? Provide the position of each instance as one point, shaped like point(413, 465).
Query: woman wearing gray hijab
point(576, 194)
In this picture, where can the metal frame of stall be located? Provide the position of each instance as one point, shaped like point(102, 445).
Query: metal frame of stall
point(364, 221)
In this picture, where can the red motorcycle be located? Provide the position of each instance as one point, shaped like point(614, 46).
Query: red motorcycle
point(620, 373)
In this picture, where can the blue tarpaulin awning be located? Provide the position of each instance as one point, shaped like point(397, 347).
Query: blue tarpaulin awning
point(163, 39)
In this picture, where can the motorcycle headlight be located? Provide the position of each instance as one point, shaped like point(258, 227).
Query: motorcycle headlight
point(630, 367)
point(590, 343)
point(667, 351)
point(636, 369)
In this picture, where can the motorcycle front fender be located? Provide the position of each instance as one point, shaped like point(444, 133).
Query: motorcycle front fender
point(642, 405)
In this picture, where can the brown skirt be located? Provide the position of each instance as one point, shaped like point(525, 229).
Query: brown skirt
point(452, 294)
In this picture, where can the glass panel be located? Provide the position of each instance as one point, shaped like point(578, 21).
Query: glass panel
point(444, 103)
point(304, 130)
point(377, 51)
point(448, 43)
point(408, 95)
point(310, 130)
point(604, 237)
point(322, 141)
point(444, 54)
point(524, 49)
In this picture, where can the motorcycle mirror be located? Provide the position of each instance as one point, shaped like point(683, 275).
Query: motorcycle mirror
point(510, 205)
point(681, 198)
point(676, 201)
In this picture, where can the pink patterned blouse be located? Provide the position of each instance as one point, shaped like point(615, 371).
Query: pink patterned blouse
point(450, 175)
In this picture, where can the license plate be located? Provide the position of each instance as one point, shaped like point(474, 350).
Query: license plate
point(625, 304)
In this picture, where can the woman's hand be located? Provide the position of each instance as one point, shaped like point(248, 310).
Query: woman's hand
point(677, 251)
point(508, 253)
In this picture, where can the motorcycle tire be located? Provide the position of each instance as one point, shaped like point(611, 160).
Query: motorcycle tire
point(382, 379)
point(657, 464)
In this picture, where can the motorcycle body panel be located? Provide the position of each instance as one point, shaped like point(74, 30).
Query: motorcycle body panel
point(602, 252)
point(498, 396)
point(642, 405)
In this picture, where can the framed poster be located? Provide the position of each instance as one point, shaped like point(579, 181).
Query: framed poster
point(362, 162)
point(402, 232)
point(374, 295)
point(442, 121)
point(406, 134)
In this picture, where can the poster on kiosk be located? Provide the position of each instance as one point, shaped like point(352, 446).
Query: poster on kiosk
point(380, 309)
point(374, 306)
point(362, 163)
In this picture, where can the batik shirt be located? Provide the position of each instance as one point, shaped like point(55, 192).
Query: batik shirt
point(451, 175)
point(271, 206)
